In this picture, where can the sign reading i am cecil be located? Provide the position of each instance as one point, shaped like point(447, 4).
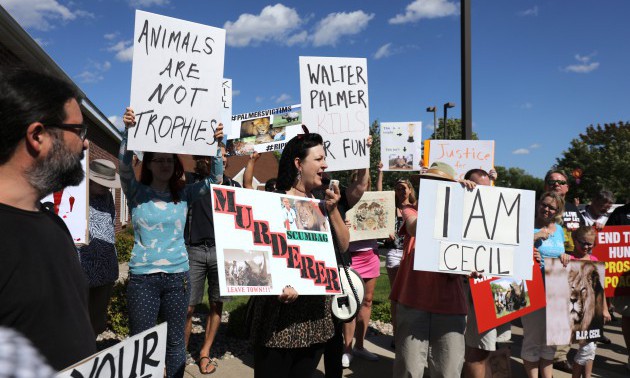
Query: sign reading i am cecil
point(176, 85)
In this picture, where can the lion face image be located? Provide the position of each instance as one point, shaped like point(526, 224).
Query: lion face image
point(586, 296)
point(307, 218)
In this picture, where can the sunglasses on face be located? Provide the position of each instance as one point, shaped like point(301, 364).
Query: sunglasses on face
point(585, 244)
point(549, 207)
point(79, 128)
point(163, 161)
point(559, 182)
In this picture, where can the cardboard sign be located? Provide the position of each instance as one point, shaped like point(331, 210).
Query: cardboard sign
point(176, 83)
point(488, 230)
point(265, 241)
point(613, 248)
point(72, 205)
point(264, 130)
point(226, 104)
point(462, 155)
point(400, 146)
point(575, 301)
point(500, 300)
point(373, 217)
point(142, 355)
point(334, 93)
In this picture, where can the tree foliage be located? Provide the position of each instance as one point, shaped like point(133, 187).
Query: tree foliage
point(519, 179)
point(603, 156)
point(454, 128)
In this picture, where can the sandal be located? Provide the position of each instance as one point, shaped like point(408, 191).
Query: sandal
point(203, 368)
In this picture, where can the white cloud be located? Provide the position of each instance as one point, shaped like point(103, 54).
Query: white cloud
point(110, 36)
point(147, 3)
point(534, 146)
point(283, 98)
point(529, 12)
point(336, 25)
point(383, 51)
point(297, 38)
point(235, 92)
point(93, 73)
point(117, 122)
point(584, 66)
point(420, 9)
point(527, 105)
point(259, 99)
point(274, 23)
point(40, 14)
point(123, 50)
point(521, 151)
point(40, 41)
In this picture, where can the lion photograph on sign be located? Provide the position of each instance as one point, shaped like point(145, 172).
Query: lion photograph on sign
point(575, 300)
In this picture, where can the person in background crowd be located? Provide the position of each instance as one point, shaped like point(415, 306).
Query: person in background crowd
point(557, 181)
point(288, 331)
point(479, 346)
point(99, 259)
point(43, 290)
point(596, 213)
point(584, 239)
point(227, 180)
point(621, 217)
point(431, 309)
point(159, 269)
point(202, 257)
point(548, 242)
point(270, 185)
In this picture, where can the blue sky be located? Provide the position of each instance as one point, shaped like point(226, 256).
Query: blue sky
point(541, 70)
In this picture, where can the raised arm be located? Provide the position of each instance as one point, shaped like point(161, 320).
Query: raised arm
point(379, 178)
point(248, 175)
point(128, 180)
point(355, 190)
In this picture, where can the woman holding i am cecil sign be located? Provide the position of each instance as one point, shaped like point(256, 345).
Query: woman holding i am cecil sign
point(158, 268)
point(289, 331)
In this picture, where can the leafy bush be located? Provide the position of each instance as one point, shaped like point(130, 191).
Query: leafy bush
point(118, 317)
point(382, 312)
point(124, 245)
point(237, 326)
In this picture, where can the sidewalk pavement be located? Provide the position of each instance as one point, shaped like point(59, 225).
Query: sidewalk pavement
point(609, 363)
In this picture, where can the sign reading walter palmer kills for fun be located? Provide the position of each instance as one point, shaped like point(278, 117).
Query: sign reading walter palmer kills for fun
point(176, 85)
point(265, 241)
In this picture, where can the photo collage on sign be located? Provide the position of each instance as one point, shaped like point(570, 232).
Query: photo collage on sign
point(246, 268)
point(302, 215)
point(509, 295)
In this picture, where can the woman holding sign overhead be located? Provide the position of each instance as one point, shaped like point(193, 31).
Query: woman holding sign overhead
point(289, 331)
point(158, 267)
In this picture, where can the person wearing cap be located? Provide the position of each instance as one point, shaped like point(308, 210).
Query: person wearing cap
point(98, 258)
point(431, 307)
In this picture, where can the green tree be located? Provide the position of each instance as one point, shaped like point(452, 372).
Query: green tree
point(603, 156)
point(454, 128)
point(519, 179)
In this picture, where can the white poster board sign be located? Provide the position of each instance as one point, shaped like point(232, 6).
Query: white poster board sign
point(265, 241)
point(401, 144)
point(72, 205)
point(226, 104)
point(334, 96)
point(462, 155)
point(373, 217)
point(175, 85)
point(263, 130)
point(488, 229)
point(142, 355)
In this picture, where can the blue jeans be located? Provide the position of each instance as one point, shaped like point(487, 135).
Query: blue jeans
point(166, 295)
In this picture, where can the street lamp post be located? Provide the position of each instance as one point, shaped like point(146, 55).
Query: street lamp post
point(446, 107)
point(434, 110)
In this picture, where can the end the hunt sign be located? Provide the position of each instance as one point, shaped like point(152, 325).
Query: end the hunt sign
point(613, 247)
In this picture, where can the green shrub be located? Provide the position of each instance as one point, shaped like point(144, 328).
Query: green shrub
point(382, 312)
point(118, 317)
point(124, 245)
point(237, 326)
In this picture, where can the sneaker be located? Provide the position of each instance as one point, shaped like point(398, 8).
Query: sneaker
point(365, 354)
point(346, 359)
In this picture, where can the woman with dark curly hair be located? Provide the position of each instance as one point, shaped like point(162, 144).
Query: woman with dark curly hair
point(289, 331)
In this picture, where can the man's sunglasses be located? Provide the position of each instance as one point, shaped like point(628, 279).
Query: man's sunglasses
point(80, 128)
point(559, 182)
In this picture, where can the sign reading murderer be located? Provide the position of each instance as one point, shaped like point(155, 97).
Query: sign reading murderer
point(499, 300)
point(262, 131)
point(400, 146)
point(176, 83)
point(373, 217)
point(334, 93)
point(142, 355)
point(613, 247)
point(575, 301)
point(463, 155)
point(72, 205)
point(265, 241)
point(488, 230)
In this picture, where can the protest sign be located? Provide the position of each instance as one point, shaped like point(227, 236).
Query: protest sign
point(613, 247)
point(500, 300)
point(334, 93)
point(176, 82)
point(488, 230)
point(462, 155)
point(72, 205)
point(373, 217)
point(226, 104)
point(400, 146)
point(265, 241)
point(142, 355)
point(264, 130)
point(575, 301)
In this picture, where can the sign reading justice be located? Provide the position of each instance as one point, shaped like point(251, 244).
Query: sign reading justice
point(488, 230)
